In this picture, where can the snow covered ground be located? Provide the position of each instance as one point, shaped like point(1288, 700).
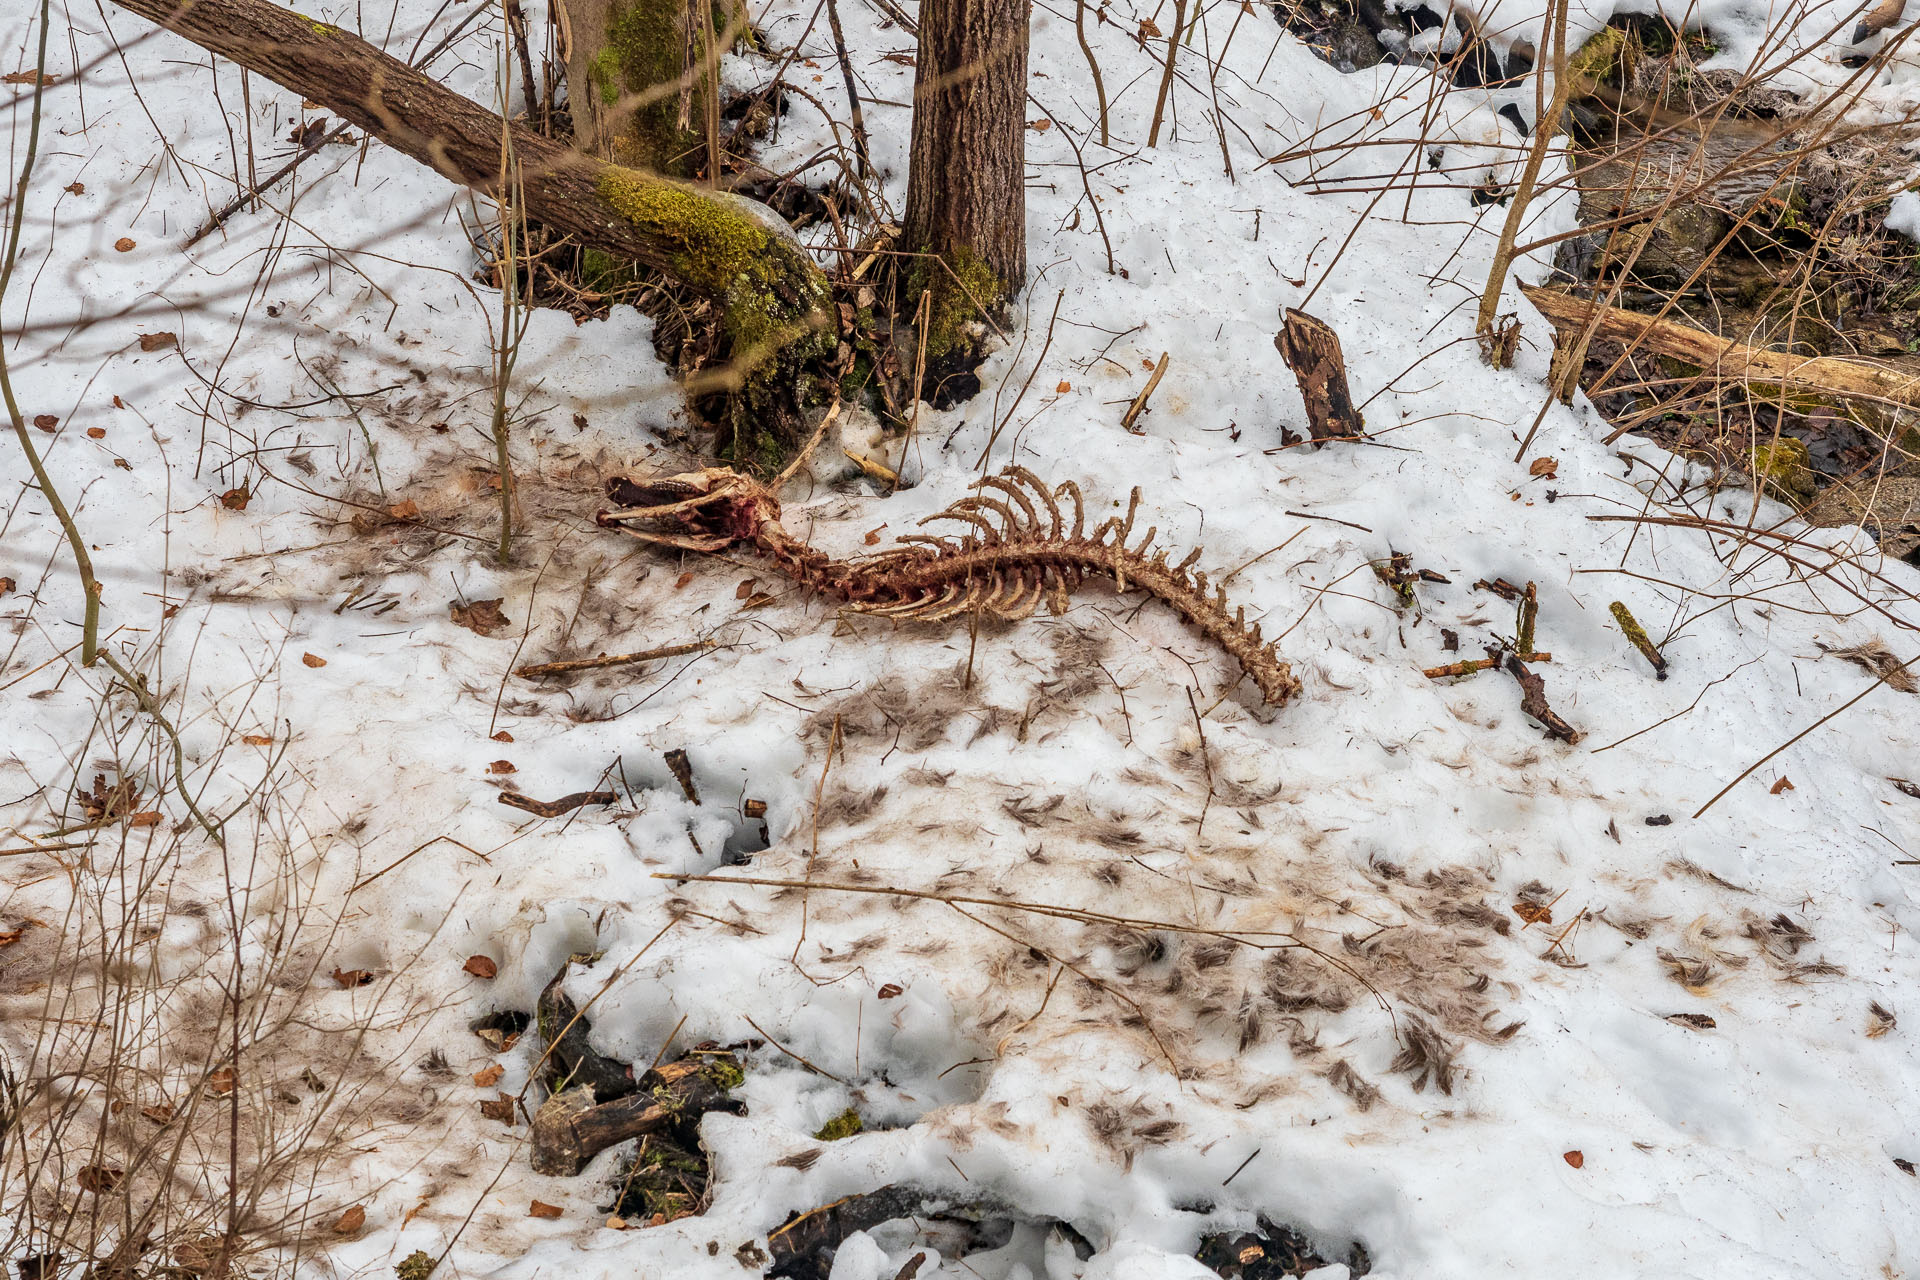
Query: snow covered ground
point(1324, 1009)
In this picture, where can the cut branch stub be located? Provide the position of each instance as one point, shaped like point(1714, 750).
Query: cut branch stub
point(1312, 351)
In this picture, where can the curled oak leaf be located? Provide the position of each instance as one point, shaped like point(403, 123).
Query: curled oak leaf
point(100, 1178)
point(481, 967)
point(482, 617)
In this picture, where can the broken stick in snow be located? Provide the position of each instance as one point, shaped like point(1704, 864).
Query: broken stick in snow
point(1533, 701)
point(1139, 405)
point(1312, 351)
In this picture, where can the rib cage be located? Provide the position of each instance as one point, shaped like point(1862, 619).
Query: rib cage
point(1015, 547)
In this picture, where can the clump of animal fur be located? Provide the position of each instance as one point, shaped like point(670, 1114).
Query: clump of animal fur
point(1017, 549)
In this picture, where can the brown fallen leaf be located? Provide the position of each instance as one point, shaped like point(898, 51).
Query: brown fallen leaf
point(873, 536)
point(10, 936)
point(405, 509)
point(502, 766)
point(1041, 125)
point(1784, 784)
point(96, 433)
point(1546, 468)
point(891, 990)
point(221, 1081)
point(257, 740)
point(313, 660)
point(503, 736)
point(353, 977)
point(481, 967)
point(682, 581)
point(236, 499)
point(6, 585)
point(45, 421)
point(500, 1108)
point(146, 818)
point(158, 341)
point(489, 1075)
point(350, 1222)
point(1573, 1158)
point(29, 77)
point(100, 1178)
point(124, 244)
point(1064, 387)
point(76, 188)
point(541, 1209)
point(482, 617)
point(159, 1112)
point(1533, 912)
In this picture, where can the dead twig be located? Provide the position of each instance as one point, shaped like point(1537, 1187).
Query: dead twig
point(556, 808)
point(539, 670)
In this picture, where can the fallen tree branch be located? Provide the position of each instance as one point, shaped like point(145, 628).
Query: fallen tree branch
point(1829, 377)
point(569, 1130)
point(717, 244)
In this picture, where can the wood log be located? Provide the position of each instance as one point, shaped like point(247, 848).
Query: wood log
point(569, 1129)
point(1828, 377)
point(1312, 350)
point(720, 245)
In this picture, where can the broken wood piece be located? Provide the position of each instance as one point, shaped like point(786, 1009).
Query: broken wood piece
point(683, 773)
point(1139, 405)
point(556, 808)
point(1533, 701)
point(571, 665)
point(569, 1129)
point(1312, 351)
point(1465, 667)
point(1470, 666)
point(1638, 638)
point(1528, 615)
point(1860, 381)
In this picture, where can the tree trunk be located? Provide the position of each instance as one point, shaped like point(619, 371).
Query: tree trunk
point(771, 294)
point(966, 191)
point(639, 82)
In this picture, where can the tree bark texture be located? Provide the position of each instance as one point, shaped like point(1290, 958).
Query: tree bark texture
point(637, 81)
point(966, 190)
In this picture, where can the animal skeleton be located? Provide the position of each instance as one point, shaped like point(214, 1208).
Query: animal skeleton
point(1016, 548)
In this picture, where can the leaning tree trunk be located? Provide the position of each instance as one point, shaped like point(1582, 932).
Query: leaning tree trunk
point(966, 190)
point(640, 75)
point(772, 296)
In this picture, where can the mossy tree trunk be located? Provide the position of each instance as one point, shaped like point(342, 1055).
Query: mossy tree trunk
point(966, 190)
point(640, 77)
point(771, 295)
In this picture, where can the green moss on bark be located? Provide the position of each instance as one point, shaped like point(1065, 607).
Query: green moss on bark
point(964, 292)
point(645, 57)
point(773, 306)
